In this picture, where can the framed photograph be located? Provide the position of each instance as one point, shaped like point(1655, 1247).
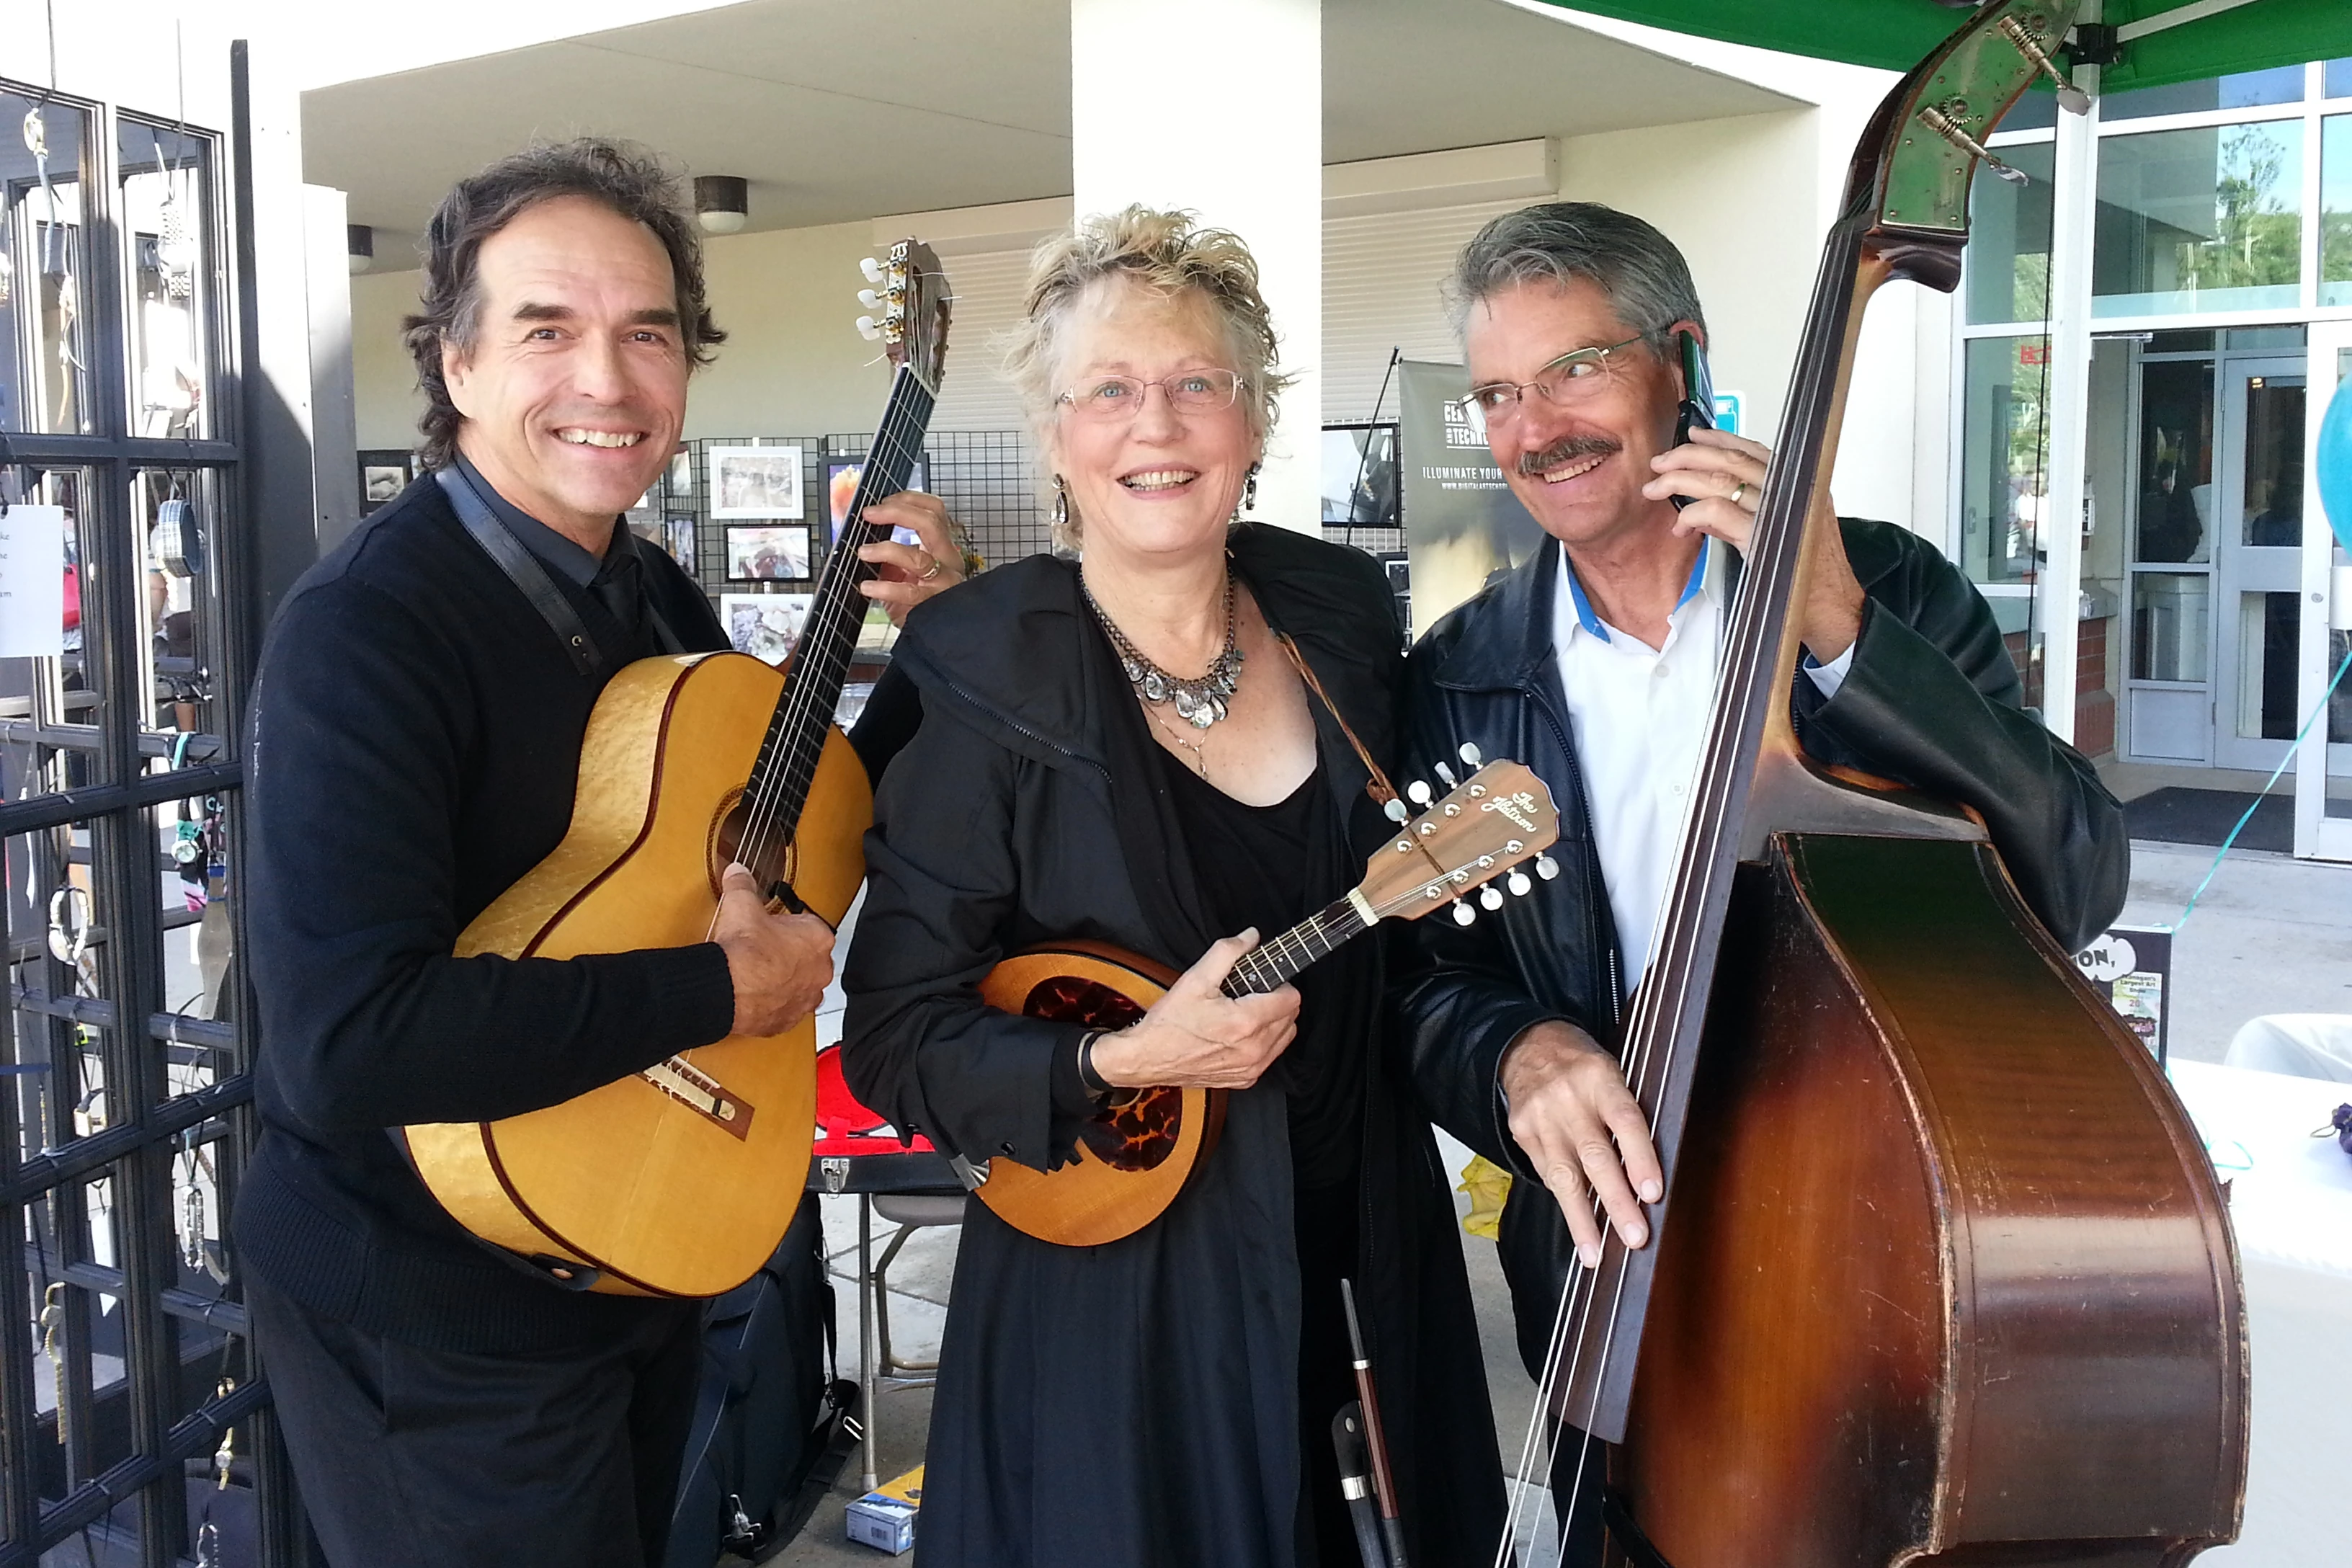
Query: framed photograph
point(679, 483)
point(384, 472)
point(841, 476)
point(1359, 476)
point(677, 538)
point(767, 554)
point(765, 625)
point(755, 482)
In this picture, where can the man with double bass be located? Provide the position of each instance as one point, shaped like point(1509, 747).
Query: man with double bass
point(418, 734)
point(1595, 663)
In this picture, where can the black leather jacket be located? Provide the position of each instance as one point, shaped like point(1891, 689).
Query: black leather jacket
point(1931, 700)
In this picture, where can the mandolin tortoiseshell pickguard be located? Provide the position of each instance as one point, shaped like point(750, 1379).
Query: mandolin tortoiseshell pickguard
point(1140, 1133)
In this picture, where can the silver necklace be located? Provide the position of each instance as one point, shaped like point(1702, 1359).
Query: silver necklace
point(1199, 701)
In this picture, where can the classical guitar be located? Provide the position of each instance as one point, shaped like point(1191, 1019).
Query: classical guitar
point(1135, 1156)
point(680, 1180)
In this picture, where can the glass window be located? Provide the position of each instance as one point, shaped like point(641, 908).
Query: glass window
point(2272, 506)
point(2008, 241)
point(2248, 90)
point(44, 374)
point(2175, 461)
point(164, 200)
point(2209, 219)
point(2001, 468)
point(2336, 79)
point(2335, 207)
point(2169, 625)
point(2037, 110)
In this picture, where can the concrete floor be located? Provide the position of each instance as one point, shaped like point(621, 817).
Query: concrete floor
point(2270, 935)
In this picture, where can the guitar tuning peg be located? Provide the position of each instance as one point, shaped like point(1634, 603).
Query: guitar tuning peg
point(868, 328)
point(1447, 774)
point(1419, 791)
point(872, 269)
point(1518, 884)
point(870, 299)
point(1462, 913)
point(1397, 810)
point(1547, 867)
point(1469, 754)
point(1489, 898)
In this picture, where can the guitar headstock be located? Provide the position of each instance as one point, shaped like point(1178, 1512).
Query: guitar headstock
point(1486, 827)
point(910, 291)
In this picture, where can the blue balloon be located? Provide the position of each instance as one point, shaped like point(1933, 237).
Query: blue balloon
point(2336, 463)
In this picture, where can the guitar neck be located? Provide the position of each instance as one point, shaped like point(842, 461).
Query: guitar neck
point(1270, 965)
point(820, 664)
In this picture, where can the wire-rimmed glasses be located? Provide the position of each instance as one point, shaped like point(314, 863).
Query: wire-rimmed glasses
point(1107, 398)
point(1572, 378)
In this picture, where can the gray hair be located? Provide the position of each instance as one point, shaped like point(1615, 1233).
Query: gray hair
point(1646, 279)
point(1169, 253)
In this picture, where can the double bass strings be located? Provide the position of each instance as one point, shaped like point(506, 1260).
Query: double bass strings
point(1757, 625)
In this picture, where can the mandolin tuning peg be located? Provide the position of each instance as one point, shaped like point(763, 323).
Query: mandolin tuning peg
point(1447, 774)
point(1470, 757)
point(1547, 867)
point(1462, 913)
point(1419, 791)
point(872, 269)
point(1397, 810)
point(1518, 884)
point(868, 328)
point(1490, 897)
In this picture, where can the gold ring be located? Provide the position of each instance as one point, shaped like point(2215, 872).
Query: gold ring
point(1738, 490)
point(935, 565)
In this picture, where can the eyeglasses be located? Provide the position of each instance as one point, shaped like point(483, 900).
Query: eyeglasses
point(1106, 398)
point(1572, 378)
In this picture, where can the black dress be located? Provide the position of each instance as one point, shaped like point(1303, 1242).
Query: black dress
point(1267, 867)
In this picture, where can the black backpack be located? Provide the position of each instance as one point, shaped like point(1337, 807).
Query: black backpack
point(774, 1420)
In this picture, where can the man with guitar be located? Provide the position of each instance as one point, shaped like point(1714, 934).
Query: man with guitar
point(1595, 663)
point(419, 725)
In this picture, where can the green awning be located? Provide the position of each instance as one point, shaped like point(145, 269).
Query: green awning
point(1897, 34)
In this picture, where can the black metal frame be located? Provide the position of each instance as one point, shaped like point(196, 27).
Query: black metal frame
point(126, 1445)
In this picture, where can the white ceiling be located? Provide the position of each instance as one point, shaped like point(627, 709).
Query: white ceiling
point(837, 112)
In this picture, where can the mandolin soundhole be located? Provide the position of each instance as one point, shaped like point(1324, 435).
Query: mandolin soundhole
point(1141, 1134)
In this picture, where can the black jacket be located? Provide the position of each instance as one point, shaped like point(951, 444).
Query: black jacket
point(1931, 700)
point(1135, 1403)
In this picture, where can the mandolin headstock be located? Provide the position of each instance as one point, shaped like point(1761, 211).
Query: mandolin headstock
point(1486, 827)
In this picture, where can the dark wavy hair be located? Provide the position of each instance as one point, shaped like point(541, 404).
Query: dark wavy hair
point(626, 179)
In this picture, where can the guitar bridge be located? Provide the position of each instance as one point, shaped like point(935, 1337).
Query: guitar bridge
point(702, 1094)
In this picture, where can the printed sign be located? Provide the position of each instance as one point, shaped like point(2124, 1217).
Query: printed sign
point(2130, 966)
point(1462, 525)
point(33, 581)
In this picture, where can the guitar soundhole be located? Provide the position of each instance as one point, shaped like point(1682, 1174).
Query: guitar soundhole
point(1140, 1134)
point(727, 832)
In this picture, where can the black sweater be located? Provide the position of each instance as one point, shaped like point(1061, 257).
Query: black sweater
point(414, 753)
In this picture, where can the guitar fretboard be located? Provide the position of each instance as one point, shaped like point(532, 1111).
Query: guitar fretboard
point(1270, 965)
point(779, 786)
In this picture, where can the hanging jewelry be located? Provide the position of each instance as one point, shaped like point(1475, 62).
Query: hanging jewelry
point(1061, 504)
point(1188, 748)
point(1199, 701)
point(1249, 489)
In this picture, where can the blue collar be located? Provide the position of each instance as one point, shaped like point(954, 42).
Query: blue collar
point(1591, 623)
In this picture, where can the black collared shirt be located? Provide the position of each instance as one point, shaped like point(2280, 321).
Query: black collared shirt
point(616, 580)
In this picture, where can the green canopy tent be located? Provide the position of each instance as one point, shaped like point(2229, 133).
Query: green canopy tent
point(2214, 38)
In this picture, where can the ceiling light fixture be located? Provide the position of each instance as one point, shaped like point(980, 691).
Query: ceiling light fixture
point(721, 203)
point(359, 239)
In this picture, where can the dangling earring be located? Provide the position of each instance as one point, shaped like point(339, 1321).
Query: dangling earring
point(1061, 505)
point(1249, 495)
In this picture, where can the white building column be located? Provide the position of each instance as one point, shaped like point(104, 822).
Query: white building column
point(1216, 106)
point(2074, 200)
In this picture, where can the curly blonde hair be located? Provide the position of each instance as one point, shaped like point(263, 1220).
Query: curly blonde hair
point(1169, 252)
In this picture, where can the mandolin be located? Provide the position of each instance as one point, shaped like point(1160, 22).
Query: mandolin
point(681, 1179)
point(1135, 1157)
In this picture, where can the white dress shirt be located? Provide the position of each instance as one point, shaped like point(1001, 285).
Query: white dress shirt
point(1640, 719)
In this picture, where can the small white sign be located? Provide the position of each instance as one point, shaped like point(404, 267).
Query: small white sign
point(2108, 959)
point(33, 581)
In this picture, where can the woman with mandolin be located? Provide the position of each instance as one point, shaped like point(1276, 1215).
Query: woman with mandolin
point(1163, 747)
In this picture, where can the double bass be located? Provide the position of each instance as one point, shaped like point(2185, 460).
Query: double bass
point(1942, 1274)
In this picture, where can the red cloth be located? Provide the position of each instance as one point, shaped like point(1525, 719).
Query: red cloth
point(845, 1127)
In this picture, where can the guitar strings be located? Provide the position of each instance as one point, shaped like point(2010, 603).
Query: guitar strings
point(1758, 625)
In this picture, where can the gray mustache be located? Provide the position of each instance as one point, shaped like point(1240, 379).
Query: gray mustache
point(1566, 449)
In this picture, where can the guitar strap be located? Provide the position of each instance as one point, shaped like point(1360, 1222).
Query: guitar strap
point(1378, 785)
point(523, 568)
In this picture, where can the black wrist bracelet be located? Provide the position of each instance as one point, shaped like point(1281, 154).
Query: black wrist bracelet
point(1094, 1083)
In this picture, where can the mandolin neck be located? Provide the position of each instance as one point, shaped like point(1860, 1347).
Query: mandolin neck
point(1270, 965)
point(820, 663)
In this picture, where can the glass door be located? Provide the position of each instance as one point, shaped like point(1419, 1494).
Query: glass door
point(2257, 560)
point(2170, 691)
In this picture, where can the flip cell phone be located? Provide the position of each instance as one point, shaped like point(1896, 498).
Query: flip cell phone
point(1696, 411)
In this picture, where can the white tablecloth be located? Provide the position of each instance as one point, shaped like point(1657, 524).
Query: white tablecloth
point(2290, 1205)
